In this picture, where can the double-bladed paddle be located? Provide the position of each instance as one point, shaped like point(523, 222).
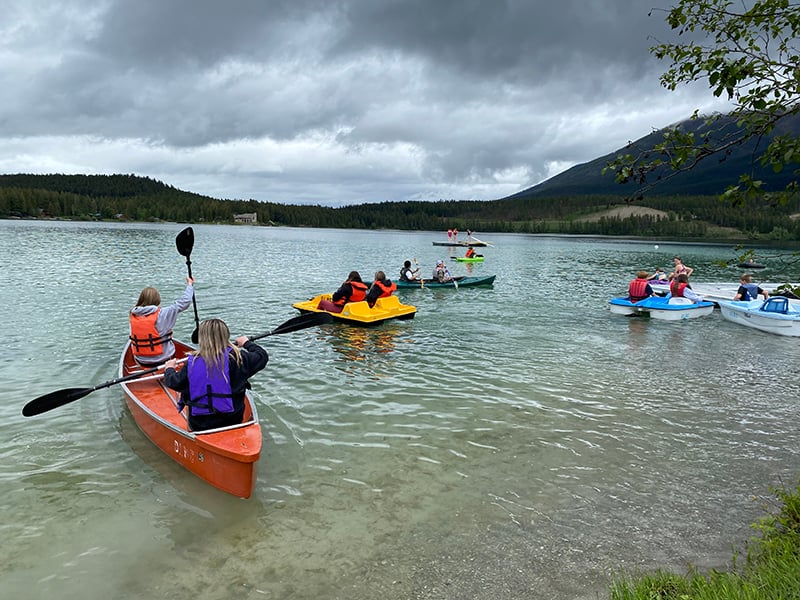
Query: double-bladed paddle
point(185, 242)
point(421, 279)
point(453, 279)
point(53, 400)
point(297, 323)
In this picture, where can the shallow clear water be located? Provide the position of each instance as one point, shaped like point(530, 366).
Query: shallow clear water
point(514, 442)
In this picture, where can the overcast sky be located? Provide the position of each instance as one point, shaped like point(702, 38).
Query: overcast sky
point(331, 101)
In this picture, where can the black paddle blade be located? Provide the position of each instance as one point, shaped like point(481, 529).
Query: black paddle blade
point(297, 323)
point(53, 400)
point(195, 336)
point(185, 242)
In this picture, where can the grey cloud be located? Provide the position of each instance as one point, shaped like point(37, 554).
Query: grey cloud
point(381, 99)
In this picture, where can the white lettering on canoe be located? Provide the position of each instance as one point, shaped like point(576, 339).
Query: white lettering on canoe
point(183, 451)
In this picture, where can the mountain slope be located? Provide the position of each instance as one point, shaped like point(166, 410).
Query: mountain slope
point(709, 177)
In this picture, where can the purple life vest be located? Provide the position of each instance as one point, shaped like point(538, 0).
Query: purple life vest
point(209, 392)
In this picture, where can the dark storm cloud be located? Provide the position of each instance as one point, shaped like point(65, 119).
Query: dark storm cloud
point(364, 100)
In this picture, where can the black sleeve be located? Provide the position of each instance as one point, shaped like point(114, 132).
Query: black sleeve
point(254, 358)
point(177, 380)
point(343, 292)
point(373, 294)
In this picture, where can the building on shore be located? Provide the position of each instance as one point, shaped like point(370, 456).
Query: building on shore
point(246, 218)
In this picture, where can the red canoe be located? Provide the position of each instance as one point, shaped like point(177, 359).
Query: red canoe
point(225, 457)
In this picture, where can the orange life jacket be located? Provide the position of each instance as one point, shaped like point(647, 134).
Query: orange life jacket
point(636, 290)
point(358, 292)
point(386, 290)
point(470, 253)
point(145, 339)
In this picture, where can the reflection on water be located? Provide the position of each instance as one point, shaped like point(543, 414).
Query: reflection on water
point(511, 442)
point(360, 343)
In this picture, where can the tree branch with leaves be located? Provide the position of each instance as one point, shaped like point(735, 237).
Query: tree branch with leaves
point(747, 52)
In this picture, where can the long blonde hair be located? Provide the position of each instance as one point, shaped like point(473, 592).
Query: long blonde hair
point(149, 296)
point(213, 337)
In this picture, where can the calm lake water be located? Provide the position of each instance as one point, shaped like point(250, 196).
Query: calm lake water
point(514, 442)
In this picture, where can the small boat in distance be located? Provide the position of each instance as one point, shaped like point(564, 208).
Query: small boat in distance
point(462, 281)
point(462, 244)
point(469, 259)
point(225, 457)
point(658, 307)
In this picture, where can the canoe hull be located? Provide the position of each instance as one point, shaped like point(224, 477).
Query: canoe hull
point(226, 458)
point(472, 259)
point(463, 282)
point(664, 309)
point(750, 315)
point(360, 313)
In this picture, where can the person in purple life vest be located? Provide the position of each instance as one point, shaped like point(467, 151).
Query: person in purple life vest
point(214, 381)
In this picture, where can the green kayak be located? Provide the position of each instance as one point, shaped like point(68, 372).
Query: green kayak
point(462, 281)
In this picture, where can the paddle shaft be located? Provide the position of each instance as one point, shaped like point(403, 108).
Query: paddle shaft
point(185, 243)
point(61, 397)
point(421, 279)
point(296, 324)
point(453, 279)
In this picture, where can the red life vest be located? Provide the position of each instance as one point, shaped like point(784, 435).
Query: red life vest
point(676, 288)
point(145, 339)
point(636, 290)
point(358, 292)
point(386, 290)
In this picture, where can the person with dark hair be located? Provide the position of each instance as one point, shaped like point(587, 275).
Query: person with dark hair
point(352, 290)
point(214, 381)
point(680, 288)
point(407, 273)
point(151, 326)
point(680, 268)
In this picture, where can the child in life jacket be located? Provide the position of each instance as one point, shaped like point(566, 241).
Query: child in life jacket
point(214, 381)
point(639, 289)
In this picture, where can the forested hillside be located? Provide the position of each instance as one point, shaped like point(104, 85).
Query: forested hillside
point(709, 178)
point(133, 198)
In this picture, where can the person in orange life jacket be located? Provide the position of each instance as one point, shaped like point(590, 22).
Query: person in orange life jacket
point(749, 290)
point(352, 290)
point(214, 380)
point(470, 252)
point(680, 288)
point(151, 326)
point(381, 287)
point(639, 289)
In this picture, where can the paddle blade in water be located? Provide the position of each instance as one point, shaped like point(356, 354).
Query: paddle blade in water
point(53, 400)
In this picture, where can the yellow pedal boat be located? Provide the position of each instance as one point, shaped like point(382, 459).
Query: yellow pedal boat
point(360, 313)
